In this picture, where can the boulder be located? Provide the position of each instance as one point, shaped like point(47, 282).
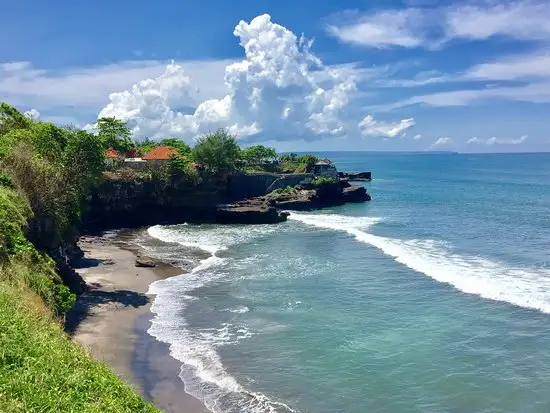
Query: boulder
point(356, 193)
point(145, 262)
point(250, 211)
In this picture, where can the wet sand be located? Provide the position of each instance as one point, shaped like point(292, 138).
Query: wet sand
point(111, 321)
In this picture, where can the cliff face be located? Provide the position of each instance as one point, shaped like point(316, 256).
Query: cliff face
point(241, 186)
point(118, 203)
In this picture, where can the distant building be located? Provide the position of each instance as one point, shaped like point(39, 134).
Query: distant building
point(111, 157)
point(160, 155)
point(325, 168)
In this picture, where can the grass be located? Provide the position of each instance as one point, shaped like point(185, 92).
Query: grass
point(42, 370)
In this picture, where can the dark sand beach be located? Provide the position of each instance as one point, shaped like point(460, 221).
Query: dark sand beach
point(111, 321)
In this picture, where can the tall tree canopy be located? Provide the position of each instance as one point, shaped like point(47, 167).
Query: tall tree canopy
point(259, 154)
point(218, 152)
point(115, 133)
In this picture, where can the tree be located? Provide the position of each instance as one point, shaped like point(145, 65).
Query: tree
point(176, 144)
point(217, 152)
point(307, 160)
point(289, 158)
point(259, 154)
point(115, 133)
point(11, 118)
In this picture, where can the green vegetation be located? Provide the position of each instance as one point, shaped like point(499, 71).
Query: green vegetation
point(115, 134)
point(46, 175)
point(42, 370)
point(218, 152)
point(320, 181)
point(285, 190)
point(46, 172)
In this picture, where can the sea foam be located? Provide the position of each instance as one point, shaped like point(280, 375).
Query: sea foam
point(524, 287)
point(202, 371)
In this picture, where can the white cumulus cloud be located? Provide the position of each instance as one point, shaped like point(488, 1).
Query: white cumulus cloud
point(371, 127)
point(442, 143)
point(33, 114)
point(280, 90)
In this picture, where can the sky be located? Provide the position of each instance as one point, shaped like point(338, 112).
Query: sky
point(384, 75)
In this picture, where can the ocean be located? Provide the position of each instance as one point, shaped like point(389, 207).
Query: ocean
point(433, 297)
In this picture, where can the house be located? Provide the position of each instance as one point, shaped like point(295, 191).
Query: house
point(111, 157)
point(160, 155)
point(325, 169)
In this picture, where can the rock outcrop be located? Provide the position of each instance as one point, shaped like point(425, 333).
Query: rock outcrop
point(119, 203)
point(356, 176)
point(250, 211)
point(307, 197)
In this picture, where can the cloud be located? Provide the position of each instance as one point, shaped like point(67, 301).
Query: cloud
point(33, 114)
point(370, 127)
point(441, 143)
point(434, 26)
point(381, 29)
point(495, 141)
point(417, 137)
point(517, 67)
point(536, 92)
point(280, 90)
point(521, 19)
point(87, 88)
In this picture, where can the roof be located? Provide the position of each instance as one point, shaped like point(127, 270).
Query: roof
point(111, 154)
point(160, 153)
point(132, 153)
point(324, 162)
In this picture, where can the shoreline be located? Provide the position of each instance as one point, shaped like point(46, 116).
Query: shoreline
point(112, 318)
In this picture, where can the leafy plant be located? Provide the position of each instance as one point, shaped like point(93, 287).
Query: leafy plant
point(323, 181)
point(115, 133)
point(259, 154)
point(64, 299)
point(218, 152)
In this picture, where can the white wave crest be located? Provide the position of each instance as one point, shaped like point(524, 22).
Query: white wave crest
point(202, 371)
point(524, 287)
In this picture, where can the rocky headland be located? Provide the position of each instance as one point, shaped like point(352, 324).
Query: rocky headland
point(258, 198)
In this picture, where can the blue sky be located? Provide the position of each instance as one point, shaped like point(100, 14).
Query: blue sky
point(469, 76)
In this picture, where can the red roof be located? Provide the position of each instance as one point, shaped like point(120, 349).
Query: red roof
point(111, 154)
point(160, 153)
point(133, 153)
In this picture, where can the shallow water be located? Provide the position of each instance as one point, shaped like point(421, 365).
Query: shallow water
point(434, 297)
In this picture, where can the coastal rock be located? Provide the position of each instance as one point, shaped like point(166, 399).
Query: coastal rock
point(307, 197)
point(356, 193)
point(145, 262)
point(250, 211)
point(356, 176)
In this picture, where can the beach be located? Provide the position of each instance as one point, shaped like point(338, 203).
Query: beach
point(111, 321)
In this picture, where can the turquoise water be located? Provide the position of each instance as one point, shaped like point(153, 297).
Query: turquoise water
point(434, 297)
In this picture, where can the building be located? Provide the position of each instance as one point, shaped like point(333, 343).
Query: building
point(325, 169)
point(160, 155)
point(111, 157)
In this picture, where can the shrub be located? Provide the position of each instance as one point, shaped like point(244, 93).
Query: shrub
point(218, 152)
point(323, 181)
point(64, 299)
